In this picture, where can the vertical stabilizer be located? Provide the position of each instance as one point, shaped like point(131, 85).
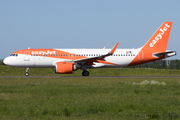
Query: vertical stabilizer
point(160, 38)
point(156, 44)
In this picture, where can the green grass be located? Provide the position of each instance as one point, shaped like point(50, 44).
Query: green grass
point(15, 71)
point(88, 98)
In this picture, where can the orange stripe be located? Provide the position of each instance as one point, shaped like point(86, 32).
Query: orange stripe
point(104, 62)
point(50, 53)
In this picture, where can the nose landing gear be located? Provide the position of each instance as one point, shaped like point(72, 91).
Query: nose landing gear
point(27, 72)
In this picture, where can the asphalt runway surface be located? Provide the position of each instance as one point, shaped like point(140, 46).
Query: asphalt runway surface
point(89, 76)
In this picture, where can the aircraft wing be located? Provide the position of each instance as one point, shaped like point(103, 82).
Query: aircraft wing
point(95, 59)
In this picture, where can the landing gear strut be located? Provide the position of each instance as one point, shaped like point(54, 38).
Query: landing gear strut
point(85, 73)
point(27, 72)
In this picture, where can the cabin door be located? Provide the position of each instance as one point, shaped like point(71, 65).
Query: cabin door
point(141, 56)
point(26, 55)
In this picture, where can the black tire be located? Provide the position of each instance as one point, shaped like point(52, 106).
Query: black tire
point(85, 73)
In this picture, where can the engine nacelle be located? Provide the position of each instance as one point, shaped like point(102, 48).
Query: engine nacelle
point(65, 67)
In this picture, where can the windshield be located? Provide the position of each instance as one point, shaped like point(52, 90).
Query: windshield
point(14, 55)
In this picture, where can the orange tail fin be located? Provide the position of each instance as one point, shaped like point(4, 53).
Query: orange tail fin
point(159, 41)
point(156, 44)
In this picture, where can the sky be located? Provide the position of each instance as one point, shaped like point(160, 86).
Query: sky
point(85, 23)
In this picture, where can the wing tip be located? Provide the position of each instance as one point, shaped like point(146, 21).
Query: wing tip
point(114, 48)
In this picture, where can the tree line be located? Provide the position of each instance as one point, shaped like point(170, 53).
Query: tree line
point(160, 64)
point(1, 62)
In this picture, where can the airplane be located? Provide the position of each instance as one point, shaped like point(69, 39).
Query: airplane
point(65, 61)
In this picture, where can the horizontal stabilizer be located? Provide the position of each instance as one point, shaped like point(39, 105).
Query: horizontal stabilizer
point(167, 54)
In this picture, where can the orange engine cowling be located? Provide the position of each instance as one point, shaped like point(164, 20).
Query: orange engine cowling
point(65, 67)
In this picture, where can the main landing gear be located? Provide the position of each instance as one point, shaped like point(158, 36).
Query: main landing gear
point(85, 73)
point(27, 72)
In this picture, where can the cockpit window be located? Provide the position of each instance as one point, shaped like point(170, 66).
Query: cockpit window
point(14, 55)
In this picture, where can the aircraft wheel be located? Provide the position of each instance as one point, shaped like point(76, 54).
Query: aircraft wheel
point(26, 74)
point(85, 73)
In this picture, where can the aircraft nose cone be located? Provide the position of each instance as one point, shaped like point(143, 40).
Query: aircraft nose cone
point(6, 61)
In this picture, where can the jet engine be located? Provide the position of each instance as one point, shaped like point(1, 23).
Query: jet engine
point(65, 67)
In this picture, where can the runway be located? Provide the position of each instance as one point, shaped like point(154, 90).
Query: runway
point(90, 77)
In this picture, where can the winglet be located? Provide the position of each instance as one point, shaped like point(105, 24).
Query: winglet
point(94, 59)
point(114, 48)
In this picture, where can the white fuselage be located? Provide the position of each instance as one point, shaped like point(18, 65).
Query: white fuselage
point(121, 57)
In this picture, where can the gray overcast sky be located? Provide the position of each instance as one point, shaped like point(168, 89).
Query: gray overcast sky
point(85, 23)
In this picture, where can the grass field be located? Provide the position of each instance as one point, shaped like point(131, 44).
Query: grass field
point(15, 71)
point(89, 98)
